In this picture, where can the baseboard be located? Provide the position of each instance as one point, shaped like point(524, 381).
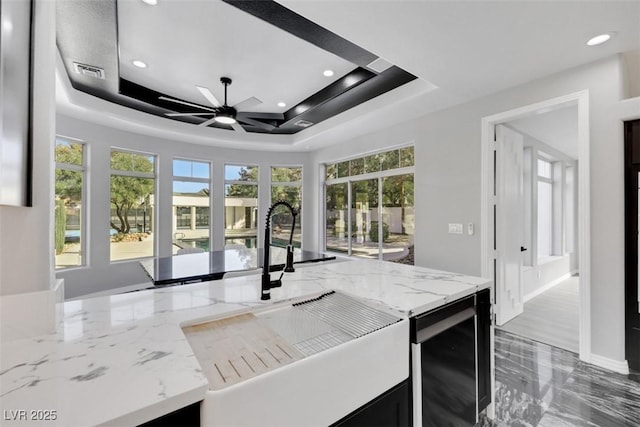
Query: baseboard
point(546, 287)
point(31, 314)
point(622, 367)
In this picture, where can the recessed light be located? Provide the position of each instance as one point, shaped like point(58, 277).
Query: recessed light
point(594, 41)
point(328, 73)
point(150, 2)
point(139, 64)
point(281, 104)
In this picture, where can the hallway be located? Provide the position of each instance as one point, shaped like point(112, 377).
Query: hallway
point(551, 317)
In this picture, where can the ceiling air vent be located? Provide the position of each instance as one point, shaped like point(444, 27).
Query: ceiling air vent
point(89, 70)
point(379, 65)
point(303, 123)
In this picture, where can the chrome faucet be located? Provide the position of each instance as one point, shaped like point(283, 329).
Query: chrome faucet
point(267, 283)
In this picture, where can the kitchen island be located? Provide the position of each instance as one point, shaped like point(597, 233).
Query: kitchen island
point(124, 359)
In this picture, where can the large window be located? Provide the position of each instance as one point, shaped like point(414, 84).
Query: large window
point(69, 203)
point(191, 204)
point(369, 206)
point(336, 204)
point(286, 184)
point(241, 205)
point(132, 205)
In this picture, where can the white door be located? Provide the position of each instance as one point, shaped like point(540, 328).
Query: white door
point(509, 224)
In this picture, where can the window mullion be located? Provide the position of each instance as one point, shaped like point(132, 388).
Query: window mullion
point(70, 167)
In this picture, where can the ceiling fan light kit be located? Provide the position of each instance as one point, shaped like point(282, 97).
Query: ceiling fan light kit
point(225, 114)
point(225, 118)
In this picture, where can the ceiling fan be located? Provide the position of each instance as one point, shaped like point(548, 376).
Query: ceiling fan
point(225, 114)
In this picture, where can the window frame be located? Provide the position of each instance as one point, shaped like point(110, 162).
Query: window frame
point(240, 182)
point(298, 184)
point(379, 175)
point(193, 215)
point(134, 174)
point(562, 242)
point(84, 217)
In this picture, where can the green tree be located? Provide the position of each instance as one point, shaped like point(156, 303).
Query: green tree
point(128, 192)
point(68, 183)
point(398, 191)
point(249, 173)
point(68, 187)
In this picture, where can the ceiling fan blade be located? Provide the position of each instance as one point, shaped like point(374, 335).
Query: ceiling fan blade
point(256, 123)
point(256, 115)
point(207, 122)
point(188, 114)
point(209, 95)
point(247, 103)
point(237, 127)
point(178, 101)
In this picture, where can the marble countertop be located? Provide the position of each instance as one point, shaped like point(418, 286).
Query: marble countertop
point(123, 359)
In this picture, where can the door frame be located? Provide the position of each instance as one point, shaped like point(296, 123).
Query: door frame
point(581, 99)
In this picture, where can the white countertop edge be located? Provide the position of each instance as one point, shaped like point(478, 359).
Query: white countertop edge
point(159, 409)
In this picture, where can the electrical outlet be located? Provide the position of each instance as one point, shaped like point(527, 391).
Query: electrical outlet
point(455, 228)
point(470, 229)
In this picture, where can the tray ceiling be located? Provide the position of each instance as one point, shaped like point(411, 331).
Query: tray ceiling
point(272, 54)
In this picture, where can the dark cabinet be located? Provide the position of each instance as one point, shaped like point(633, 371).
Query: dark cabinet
point(189, 416)
point(390, 409)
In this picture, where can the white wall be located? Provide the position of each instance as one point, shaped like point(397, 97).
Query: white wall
point(447, 150)
point(542, 276)
point(100, 274)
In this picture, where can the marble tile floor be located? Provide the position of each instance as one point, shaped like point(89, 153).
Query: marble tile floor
point(541, 385)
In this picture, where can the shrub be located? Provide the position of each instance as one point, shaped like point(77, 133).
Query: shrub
point(60, 225)
point(373, 232)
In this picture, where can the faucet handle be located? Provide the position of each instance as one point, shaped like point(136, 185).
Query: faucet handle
point(288, 268)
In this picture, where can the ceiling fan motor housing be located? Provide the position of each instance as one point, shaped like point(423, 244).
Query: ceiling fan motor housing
point(226, 110)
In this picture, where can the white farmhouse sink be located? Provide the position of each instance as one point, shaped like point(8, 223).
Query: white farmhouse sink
point(309, 363)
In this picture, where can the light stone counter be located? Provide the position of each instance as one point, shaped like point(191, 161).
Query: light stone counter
point(123, 359)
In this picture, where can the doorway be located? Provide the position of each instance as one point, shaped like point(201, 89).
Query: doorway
point(632, 242)
point(531, 250)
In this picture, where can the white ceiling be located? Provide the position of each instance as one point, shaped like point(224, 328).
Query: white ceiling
point(460, 50)
point(196, 43)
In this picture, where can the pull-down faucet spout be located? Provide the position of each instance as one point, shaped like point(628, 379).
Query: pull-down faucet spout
point(267, 283)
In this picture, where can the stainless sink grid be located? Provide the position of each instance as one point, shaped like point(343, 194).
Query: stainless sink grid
point(346, 314)
point(324, 322)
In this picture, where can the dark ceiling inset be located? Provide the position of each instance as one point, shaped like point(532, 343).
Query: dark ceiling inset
point(87, 35)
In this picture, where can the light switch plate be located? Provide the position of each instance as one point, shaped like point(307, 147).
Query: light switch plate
point(455, 228)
